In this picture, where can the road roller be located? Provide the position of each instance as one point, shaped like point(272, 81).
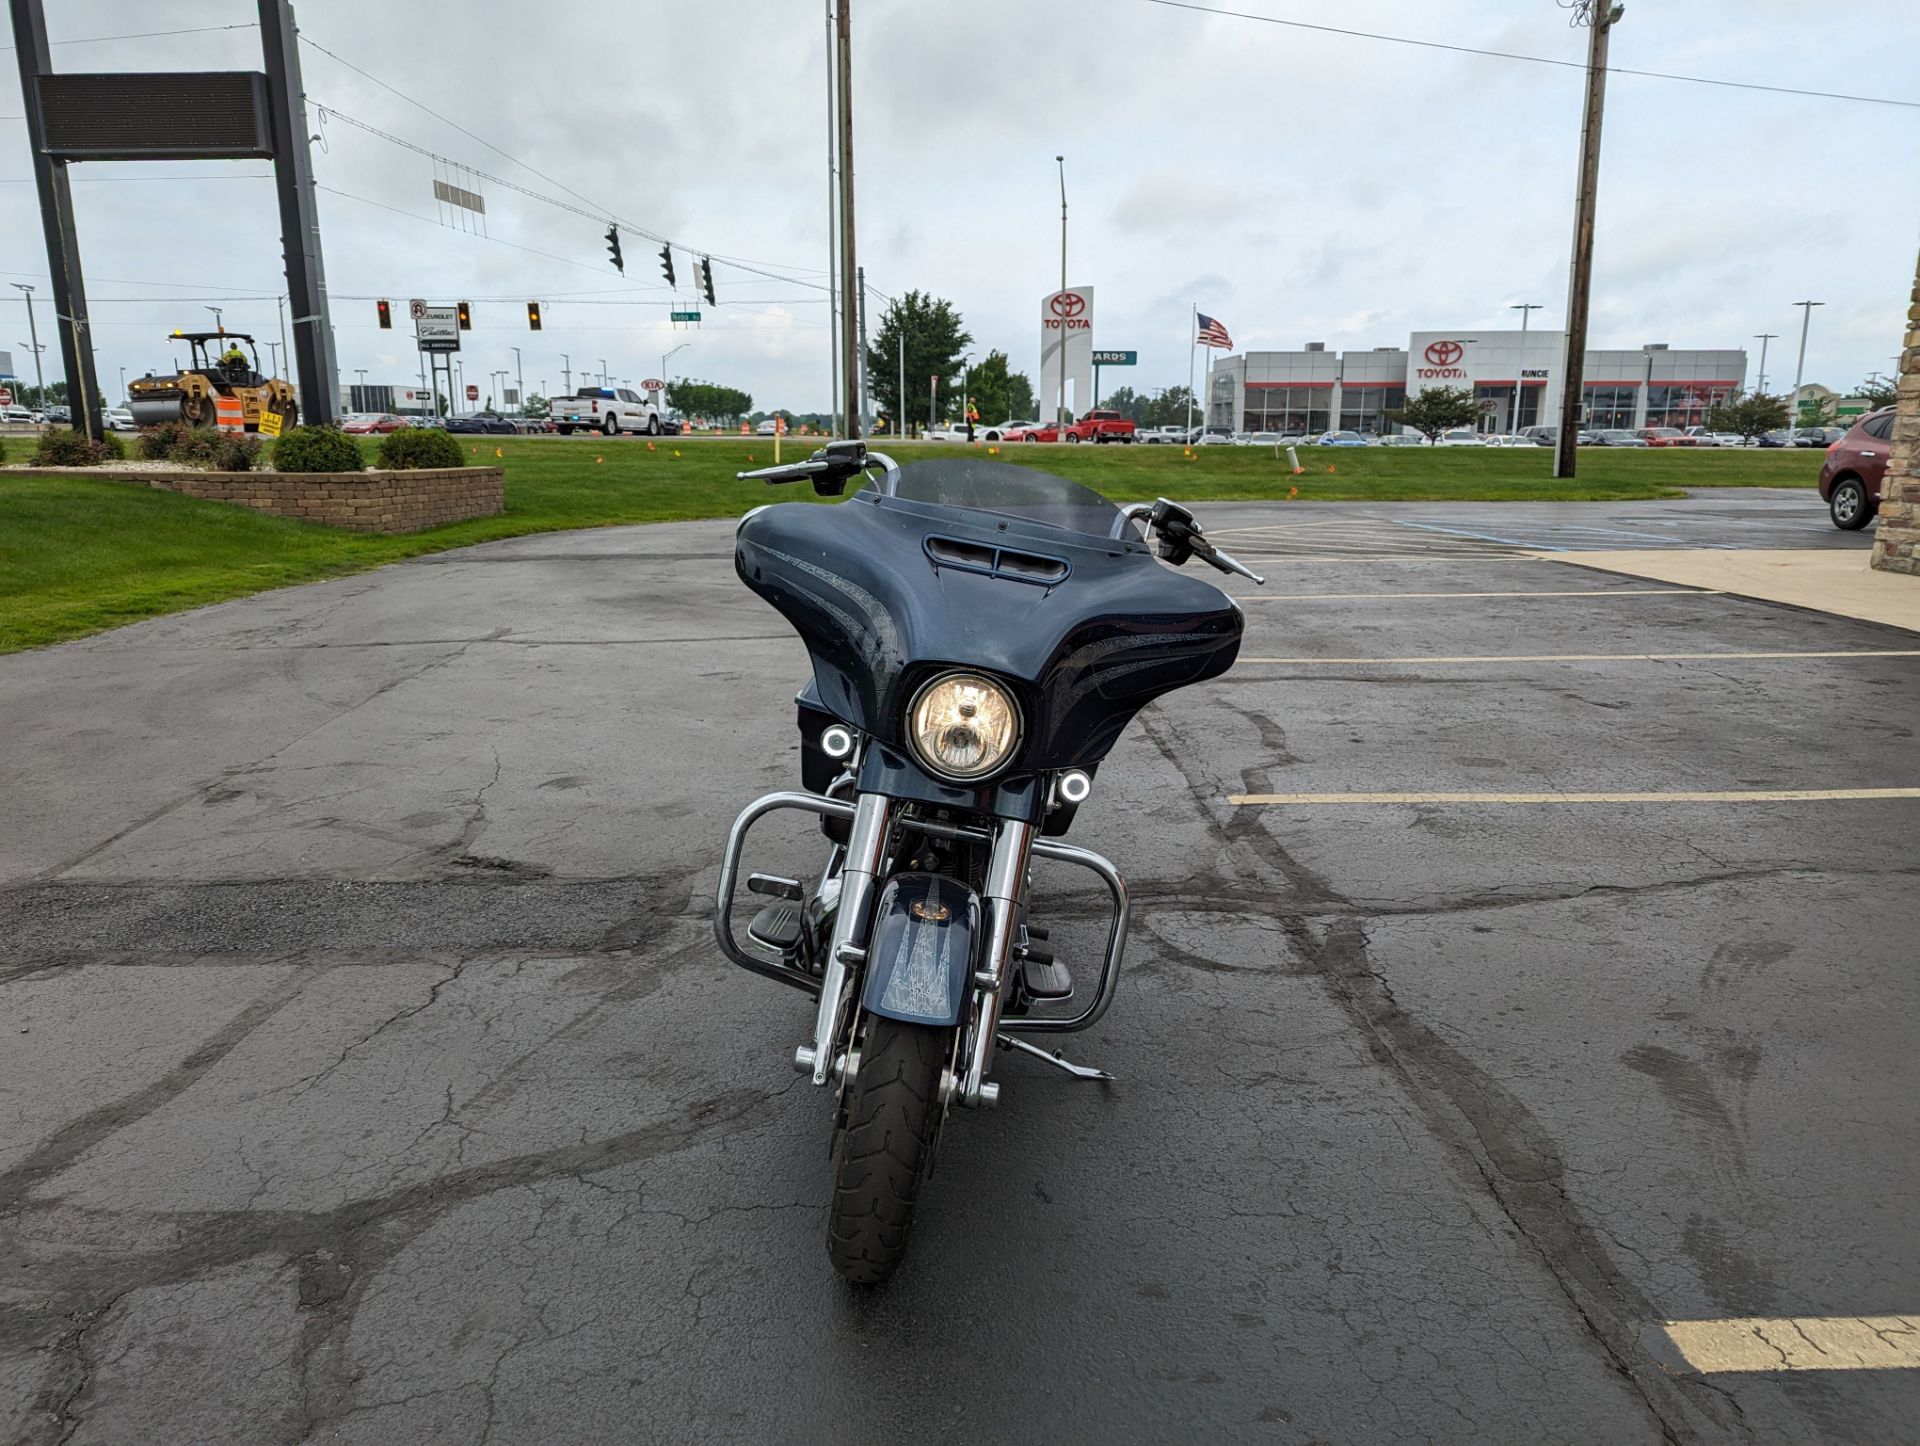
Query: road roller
point(225, 364)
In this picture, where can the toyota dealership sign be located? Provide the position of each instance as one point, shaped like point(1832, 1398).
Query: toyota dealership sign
point(1441, 362)
point(1066, 336)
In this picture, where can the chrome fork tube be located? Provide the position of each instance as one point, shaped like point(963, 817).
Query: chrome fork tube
point(1006, 881)
point(866, 843)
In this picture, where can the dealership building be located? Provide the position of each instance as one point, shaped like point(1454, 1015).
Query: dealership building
point(1316, 390)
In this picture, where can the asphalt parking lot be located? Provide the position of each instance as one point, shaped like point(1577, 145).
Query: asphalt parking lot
point(370, 1074)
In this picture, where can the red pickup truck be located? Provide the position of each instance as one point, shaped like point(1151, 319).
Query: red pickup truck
point(1099, 426)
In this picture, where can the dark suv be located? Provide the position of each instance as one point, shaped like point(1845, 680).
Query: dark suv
point(1856, 465)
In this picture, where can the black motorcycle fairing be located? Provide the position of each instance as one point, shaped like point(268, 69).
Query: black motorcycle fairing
point(894, 772)
point(879, 613)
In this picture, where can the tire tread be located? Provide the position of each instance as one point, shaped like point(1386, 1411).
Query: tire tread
point(884, 1150)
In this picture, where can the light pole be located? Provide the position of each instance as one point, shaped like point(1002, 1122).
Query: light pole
point(39, 377)
point(1763, 337)
point(1799, 367)
point(900, 422)
point(218, 324)
point(566, 373)
point(603, 371)
point(123, 383)
point(520, 380)
point(1060, 413)
point(665, 358)
point(272, 346)
point(1526, 310)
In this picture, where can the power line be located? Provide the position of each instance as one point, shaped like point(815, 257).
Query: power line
point(1531, 59)
point(143, 35)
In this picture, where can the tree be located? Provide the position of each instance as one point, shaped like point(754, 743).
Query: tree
point(935, 339)
point(1818, 412)
point(1169, 409)
point(705, 400)
point(990, 389)
point(1437, 410)
point(1748, 415)
point(537, 405)
point(1127, 402)
point(1877, 391)
point(1020, 402)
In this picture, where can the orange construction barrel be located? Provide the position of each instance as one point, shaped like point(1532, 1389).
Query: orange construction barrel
point(230, 413)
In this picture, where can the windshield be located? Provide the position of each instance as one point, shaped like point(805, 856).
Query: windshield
point(1009, 490)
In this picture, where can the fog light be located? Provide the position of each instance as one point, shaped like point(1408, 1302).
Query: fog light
point(836, 741)
point(1075, 785)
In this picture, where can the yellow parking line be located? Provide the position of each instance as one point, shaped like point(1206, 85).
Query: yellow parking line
point(1776, 795)
point(1576, 592)
point(1590, 658)
point(1799, 1343)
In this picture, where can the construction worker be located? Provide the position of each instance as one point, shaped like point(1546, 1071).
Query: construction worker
point(235, 360)
point(973, 419)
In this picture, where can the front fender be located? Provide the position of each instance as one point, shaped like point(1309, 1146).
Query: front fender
point(920, 961)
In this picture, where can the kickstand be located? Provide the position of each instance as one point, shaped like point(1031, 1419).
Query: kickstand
point(1078, 1071)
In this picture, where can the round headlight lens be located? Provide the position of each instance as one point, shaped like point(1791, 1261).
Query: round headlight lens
point(963, 726)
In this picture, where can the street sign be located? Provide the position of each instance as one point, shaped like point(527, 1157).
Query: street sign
point(436, 328)
point(684, 316)
point(6, 397)
point(473, 392)
point(653, 384)
point(416, 308)
point(1116, 358)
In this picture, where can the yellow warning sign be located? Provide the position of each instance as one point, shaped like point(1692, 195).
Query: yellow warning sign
point(270, 424)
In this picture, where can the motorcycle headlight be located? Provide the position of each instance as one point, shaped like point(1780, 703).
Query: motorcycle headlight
point(963, 726)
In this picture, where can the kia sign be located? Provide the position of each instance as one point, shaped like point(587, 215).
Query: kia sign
point(653, 384)
point(1442, 362)
point(1066, 338)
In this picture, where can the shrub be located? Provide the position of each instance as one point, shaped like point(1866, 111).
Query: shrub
point(158, 443)
point(416, 448)
point(3, 452)
point(236, 452)
point(316, 449)
point(64, 447)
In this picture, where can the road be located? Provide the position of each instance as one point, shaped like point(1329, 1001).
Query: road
point(371, 1076)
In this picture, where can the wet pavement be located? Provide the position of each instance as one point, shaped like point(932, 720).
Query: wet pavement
point(370, 1075)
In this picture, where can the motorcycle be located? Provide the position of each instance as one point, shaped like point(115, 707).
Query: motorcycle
point(981, 634)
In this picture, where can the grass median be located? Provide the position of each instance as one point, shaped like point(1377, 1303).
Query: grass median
point(79, 555)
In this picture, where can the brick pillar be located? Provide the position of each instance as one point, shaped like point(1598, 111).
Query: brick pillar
point(1896, 543)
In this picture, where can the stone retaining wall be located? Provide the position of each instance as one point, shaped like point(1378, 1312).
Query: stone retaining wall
point(1896, 542)
point(404, 501)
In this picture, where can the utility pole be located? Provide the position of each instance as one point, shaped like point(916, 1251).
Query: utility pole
point(1526, 310)
point(900, 421)
point(849, 268)
point(1060, 412)
point(1600, 16)
point(566, 374)
point(833, 220)
point(33, 340)
point(1800, 367)
point(520, 380)
point(1763, 337)
point(860, 300)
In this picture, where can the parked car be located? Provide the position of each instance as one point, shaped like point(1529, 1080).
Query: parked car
point(1460, 437)
point(118, 419)
point(374, 422)
point(1400, 439)
point(1033, 432)
point(610, 409)
point(1618, 437)
point(1214, 437)
point(491, 423)
point(1100, 425)
point(1855, 469)
point(1263, 439)
point(1340, 439)
point(998, 431)
point(948, 432)
point(1666, 437)
point(1501, 439)
point(1159, 436)
point(59, 416)
point(16, 416)
point(1541, 436)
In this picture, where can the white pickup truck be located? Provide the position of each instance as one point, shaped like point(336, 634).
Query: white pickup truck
point(606, 409)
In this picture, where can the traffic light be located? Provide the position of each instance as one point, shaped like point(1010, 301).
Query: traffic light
point(465, 313)
point(533, 316)
point(666, 263)
point(613, 250)
point(386, 314)
point(706, 279)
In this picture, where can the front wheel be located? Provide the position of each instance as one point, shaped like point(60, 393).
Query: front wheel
point(893, 1111)
point(653, 426)
point(1848, 505)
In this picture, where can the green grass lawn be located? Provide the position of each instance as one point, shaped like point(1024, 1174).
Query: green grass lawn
point(77, 556)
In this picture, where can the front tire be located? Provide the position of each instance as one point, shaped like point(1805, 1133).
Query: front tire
point(653, 426)
point(1848, 506)
point(893, 1112)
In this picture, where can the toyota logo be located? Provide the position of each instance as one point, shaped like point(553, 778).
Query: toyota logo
point(1067, 304)
point(1445, 353)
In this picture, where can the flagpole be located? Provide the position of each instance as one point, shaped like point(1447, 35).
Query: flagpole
point(1193, 345)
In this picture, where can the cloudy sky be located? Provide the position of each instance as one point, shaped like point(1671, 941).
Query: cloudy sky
point(1299, 186)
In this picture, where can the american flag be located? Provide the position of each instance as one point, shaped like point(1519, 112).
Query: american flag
point(1212, 333)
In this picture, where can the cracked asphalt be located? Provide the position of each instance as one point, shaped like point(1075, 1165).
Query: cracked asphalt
point(369, 1074)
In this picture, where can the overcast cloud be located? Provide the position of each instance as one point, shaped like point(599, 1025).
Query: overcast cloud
point(1299, 186)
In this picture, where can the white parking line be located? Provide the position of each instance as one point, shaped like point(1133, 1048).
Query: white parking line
point(1584, 658)
point(1799, 1343)
point(1608, 592)
point(1776, 795)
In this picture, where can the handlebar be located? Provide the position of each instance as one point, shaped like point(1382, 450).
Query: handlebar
point(829, 469)
point(1182, 537)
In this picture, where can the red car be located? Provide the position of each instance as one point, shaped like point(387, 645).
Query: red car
point(1044, 432)
point(1666, 437)
point(1098, 426)
point(1856, 467)
point(379, 422)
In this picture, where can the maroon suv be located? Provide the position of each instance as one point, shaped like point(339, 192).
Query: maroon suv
point(1856, 466)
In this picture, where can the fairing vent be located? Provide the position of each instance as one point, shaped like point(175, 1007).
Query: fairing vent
point(997, 561)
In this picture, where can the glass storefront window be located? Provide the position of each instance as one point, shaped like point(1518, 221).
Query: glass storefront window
point(1685, 405)
point(1303, 410)
point(1610, 407)
point(1364, 408)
